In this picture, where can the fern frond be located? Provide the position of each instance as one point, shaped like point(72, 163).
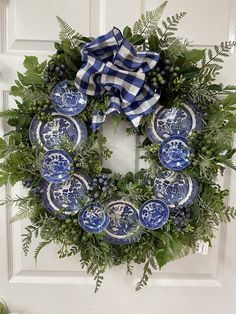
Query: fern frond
point(144, 280)
point(39, 248)
point(228, 163)
point(230, 88)
point(229, 213)
point(27, 238)
point(35, 96)
point(176, 49)
point(222, 50)
point(21, 214)
point(68, 33)
point(170, 26)
point(146, 25)
point(10, 113)
point(129, 268)
point(98, 279)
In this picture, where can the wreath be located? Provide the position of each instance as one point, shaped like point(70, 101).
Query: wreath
point(166, 90)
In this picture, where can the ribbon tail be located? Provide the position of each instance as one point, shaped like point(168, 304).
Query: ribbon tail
point(144, 103)
point(99, 117)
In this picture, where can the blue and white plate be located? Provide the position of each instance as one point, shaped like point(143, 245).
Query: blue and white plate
point(56, 166)
point(154, 214)
point(175, 189)
point(48, 134)
point(174, 153)
point(180, 121)
point(124, 227)
point(92, 218)
point(66, 101)
point(63, 199)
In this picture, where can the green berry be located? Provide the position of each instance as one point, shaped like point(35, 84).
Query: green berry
point(177, 69)
point(175, 74)
point(171, 69)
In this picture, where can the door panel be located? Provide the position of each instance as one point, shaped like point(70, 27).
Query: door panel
point(196, 284)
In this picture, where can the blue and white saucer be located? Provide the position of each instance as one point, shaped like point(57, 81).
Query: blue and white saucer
point(56, 166)
point(174, 153)
point(66, 101)
point(49, 134)
point(154, 214)
point(175, 189)
point(63, 199)
point(124, 227)
point(180, 121)
point(92, 218)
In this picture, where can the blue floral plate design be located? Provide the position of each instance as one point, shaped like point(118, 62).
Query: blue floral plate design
point(66, 101)
point(175, 189)
point(174, 153)
point(62, 199)
point(154, 214)
point(124, 227)
point(56, 166)
point(180, 121)
point(92, 218)
point(48, 134)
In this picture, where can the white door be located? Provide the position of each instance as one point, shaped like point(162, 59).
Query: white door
point(197, 284)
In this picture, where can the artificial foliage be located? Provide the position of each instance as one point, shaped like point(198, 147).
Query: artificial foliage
point(182, 73)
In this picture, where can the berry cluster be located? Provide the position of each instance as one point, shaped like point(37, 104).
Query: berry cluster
point(27, 182)
point(70, 230)
point(54, 71)
point(181, 217)
point(100, 185)
point(160, 75)
point(37, 191)
point(42, 109)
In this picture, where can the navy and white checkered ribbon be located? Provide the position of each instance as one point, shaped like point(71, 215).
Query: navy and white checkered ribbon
point(111, 63)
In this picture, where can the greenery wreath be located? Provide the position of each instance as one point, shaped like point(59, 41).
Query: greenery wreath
point(171, 72)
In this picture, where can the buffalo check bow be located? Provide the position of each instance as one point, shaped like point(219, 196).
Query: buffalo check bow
point(110, 63)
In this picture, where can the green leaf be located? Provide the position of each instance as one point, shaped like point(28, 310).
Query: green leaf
point(33, 78)
point(194, 55)
point(153, 42)
point(70, 64)
point(15, 138)
point(4, 176)
point(16, 91)
point(2, 308)
point(190, 72)
point(3, 147)
point(230, 99)
point(41, 67)
point(30, 78)
point(137, 40)
point(216, 87)
point(14, 178)
point(195, 209)
point(30, 62)
point(127, 32)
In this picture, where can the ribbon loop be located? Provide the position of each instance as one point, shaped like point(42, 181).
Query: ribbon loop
point(111, 63)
